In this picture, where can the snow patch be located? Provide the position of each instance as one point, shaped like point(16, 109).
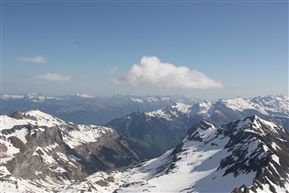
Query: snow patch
point(47, 158)
point(85, 134)
point(183, 108)
point(20, 134)
point(60, 170)
point(275, 158)
point(138, 100)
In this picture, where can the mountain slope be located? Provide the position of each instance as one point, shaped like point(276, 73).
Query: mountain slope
point(48, 152)
point(250, 155)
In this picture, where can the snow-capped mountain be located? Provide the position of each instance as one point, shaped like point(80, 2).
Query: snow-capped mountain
point(87, 109)
point(249, 155)
point(40, 151)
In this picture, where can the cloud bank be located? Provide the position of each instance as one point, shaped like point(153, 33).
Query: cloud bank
point(152, 71)
point(37, 59)
point(54, 77)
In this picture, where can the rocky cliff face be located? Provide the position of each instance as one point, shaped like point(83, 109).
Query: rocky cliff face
point(46, 150)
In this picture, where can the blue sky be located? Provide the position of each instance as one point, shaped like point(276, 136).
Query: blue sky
point(209, 49)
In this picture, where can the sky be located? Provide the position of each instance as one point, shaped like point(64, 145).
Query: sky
point(203, 49)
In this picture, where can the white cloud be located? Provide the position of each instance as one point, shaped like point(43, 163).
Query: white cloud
point(54, 77)
point(37, 59)
point(152, 71)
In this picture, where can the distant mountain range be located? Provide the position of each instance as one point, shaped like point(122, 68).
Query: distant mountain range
point(86, 109)
point(42, 153)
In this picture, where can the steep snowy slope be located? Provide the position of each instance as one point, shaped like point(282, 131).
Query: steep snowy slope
point(39, 150)
point(248, 155)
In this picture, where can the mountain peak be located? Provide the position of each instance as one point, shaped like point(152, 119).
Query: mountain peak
point(200, 131)
point(259, 126)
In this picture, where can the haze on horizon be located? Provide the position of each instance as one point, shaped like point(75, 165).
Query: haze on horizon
point(206, 50)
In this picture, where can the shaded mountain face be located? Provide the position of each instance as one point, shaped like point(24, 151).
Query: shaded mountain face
point(51, 152)
point(151, 134)
point(85, 109)
point(249, 155)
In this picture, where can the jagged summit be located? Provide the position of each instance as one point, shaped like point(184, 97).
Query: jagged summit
point(203, 125)
point(199, 131)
